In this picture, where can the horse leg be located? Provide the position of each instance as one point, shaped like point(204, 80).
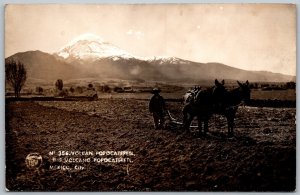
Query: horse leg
point(205, 126)
point(232, 125)
point(228, 126)
point(187, 120)
point(230, 121)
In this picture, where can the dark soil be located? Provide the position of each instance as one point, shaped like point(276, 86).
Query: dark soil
point(261, 156)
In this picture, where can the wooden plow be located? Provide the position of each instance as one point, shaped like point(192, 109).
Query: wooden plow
point(176, 124)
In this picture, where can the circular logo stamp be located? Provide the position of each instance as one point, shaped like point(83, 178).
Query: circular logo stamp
point(33, 160)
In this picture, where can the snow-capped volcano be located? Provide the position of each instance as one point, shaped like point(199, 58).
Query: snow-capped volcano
point(89, 56)
point(90, 46)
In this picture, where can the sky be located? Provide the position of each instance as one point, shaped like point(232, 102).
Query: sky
point(246, 36)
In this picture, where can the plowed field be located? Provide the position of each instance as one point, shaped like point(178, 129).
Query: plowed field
point(260, 157)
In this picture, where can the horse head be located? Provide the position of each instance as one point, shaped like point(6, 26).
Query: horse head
point(244, 89)
point(219, 91)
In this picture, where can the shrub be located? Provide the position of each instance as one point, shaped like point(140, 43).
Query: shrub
point(39, 90)
point(79, 89)
point(106, 89)
point(72, 90)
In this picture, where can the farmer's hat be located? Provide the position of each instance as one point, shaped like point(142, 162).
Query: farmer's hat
point(156, 91)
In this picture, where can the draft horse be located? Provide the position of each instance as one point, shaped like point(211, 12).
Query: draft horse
point(201, 104)
point(216, 100)
point(233, 99)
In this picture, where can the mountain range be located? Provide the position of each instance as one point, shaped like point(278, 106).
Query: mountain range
point(88, 56)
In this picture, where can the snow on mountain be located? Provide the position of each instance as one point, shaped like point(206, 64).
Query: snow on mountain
point(92, 47)
point(89, 46)
point(165, 60)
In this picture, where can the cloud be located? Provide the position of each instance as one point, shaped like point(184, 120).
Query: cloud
point(129, 32)
point(136, 34)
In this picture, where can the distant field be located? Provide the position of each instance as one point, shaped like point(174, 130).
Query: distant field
point(289, 94)
point(141, 90)
point(255, 94)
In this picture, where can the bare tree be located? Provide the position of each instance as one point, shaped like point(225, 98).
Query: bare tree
point(59, 84)
point(16, 75)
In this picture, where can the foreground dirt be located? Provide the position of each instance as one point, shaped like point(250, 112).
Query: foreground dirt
point(261, 156)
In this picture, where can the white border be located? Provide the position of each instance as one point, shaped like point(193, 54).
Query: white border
point(2, 77)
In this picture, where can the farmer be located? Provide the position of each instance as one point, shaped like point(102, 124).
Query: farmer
point(157, 107)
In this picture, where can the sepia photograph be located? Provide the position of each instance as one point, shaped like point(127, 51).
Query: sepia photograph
point(150, 97)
